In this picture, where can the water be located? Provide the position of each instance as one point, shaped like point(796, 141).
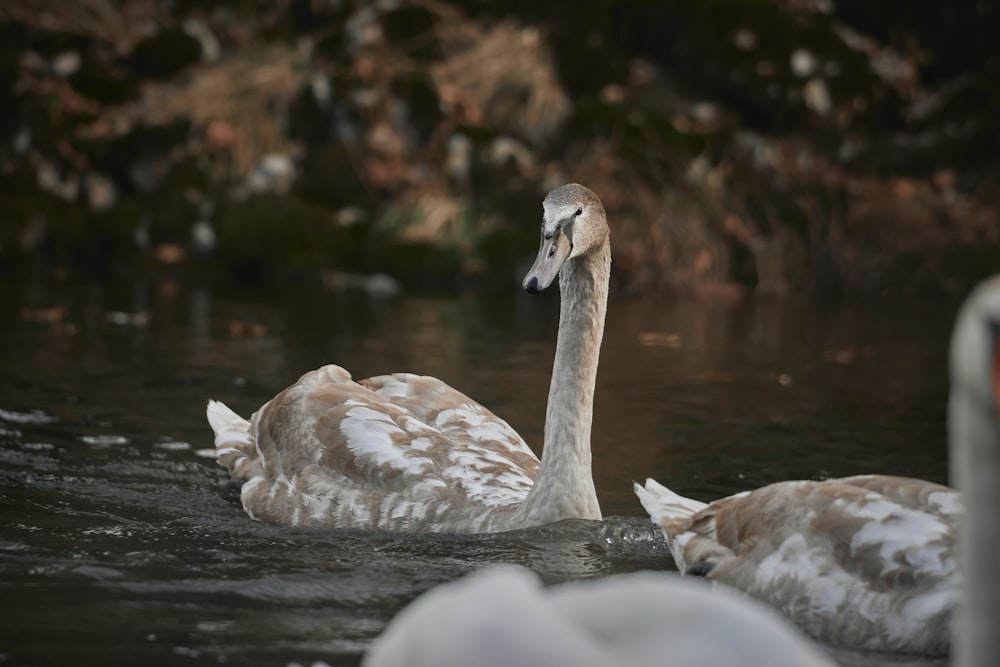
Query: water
point(121, 543)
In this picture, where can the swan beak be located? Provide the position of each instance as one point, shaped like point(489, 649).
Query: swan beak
point(552, 253)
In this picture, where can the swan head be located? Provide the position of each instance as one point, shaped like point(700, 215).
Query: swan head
point(573, 224)
point(977, 338)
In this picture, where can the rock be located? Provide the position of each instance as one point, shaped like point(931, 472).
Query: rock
point(102, 194)
point(274, 173)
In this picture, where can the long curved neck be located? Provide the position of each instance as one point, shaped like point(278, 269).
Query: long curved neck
point(564, 487)
point(975, 465)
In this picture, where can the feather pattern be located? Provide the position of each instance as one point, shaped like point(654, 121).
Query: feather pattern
point(409, 453)
point(361, 455)
point(866, 561)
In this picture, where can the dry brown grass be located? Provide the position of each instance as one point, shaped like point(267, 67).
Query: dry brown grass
point(228, 102)
point(504, 77)
point(664, 239)
point(119, 23)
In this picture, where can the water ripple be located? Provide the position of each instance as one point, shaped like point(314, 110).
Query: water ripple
point(104, 440)
point(31, 417)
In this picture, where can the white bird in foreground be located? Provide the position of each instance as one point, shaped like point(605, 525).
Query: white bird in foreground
point(502, 615)
point(409, 453)
point(870, 562)
point(974, 447)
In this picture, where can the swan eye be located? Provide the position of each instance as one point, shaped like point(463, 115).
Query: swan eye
point(579, 211)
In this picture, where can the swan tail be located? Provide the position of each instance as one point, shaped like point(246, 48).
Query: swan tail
point(663, 505)
point(688, 526)
point(235, 448)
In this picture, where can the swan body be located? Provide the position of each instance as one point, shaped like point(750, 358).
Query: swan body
point(974, 451)
point(871, 562)
point(503, 615)
point(409, 453)
point(864, 562)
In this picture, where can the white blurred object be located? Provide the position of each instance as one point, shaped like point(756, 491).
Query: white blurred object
point(503, 615)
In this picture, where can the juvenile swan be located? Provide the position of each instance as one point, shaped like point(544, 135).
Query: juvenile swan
point(866, 562)
point(409, 453)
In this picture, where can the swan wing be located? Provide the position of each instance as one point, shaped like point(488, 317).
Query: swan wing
point(399, 452)
point(913, 493)
point(454, 414)
point(472, 447)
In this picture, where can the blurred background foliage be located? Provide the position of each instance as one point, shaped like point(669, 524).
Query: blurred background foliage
point(773, 146)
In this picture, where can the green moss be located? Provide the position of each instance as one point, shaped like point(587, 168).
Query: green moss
point(145, 142)
point(330, 177)
point(274, 231)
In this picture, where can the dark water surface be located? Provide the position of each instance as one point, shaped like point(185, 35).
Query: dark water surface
point(119, 544)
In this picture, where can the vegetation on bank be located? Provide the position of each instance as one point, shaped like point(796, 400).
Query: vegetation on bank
point(776, 146)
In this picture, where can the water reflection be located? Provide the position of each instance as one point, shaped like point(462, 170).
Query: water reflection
point(119, 543)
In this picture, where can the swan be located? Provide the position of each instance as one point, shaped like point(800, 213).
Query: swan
point(405, 452)
point(865, 562)
point(502, 615)
point(974, 457)
point(871, 562)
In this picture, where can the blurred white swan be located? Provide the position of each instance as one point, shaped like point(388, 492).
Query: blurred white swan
point(974, 447)
point(502, 615)
point(409, 453)
point(871, 561)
